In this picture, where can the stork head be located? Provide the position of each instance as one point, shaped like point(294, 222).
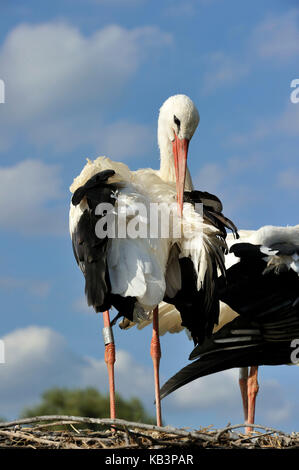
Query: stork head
point(178, 120)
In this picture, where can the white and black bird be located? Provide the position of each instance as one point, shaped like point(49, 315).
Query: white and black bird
point(260, 298)
point(132, 273)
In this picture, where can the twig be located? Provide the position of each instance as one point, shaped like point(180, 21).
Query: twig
point(46, 425)
point(144, 435)
point(258, 426)
point(118, 423)
point(73, 427)
point(248, 438)
point(21, 435)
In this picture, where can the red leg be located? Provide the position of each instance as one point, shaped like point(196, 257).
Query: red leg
point(252, 390)
point(110, 360)
point(156, 356)
point(243, 379)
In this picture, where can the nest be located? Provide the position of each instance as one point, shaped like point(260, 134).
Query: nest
point(70, 432)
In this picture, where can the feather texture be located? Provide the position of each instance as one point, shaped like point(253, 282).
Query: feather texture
point(267, 302)
point(150, 269)
point(135, 267)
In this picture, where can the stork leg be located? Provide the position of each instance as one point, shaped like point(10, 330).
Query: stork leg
point(243, 380)
point(156, 356)
point(249, 389)
point(110, 360)
point(252, 391)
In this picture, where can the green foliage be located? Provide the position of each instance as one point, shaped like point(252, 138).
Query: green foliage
point(87, 402)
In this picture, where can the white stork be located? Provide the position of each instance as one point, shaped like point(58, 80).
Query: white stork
point(134, 274)
point(259, 315)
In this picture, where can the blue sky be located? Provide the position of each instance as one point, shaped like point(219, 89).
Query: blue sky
point(87, 78)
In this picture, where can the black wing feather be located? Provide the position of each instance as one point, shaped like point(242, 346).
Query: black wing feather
point(269, 354)
point(212, 210)
point(199, 309)
point(197, 316)
point(263, 333)
point(91, 251)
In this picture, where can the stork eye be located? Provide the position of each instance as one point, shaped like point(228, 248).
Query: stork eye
point(177, 121)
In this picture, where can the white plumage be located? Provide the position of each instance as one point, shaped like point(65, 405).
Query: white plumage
point(268, 236)
point(136, 266)
point(140, 267)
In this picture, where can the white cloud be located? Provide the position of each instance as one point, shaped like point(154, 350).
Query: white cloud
point(183, 8)
point(124, 139)
point(210, 176)
point(133, 379)
point(223, 70)
point(214, 390)
point(289, 179)
point(120, 140)
point(277, 37)
point(180, 8)
point(277, 407)
point(26, 190)
point(221, 394)
point(119, 3)
point(226, 180)
point(57, 78)
point(288, 122)
point(260, 131)
point(285, 124)
point(50, 65)
point(208, 2)
point(80, 306)
point(39, 358)
point(34, 287)
point(27, 354)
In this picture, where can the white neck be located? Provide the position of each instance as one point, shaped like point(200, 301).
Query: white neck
point(167, 168)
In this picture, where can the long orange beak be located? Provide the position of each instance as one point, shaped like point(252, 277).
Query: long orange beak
point(180, 152)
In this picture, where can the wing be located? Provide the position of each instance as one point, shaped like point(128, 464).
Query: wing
point(268, 340)
point(201, 260)
point(254, 288)
point(90, 250)
point(212, 210)
point(212, 363)
point(119, 269)
point(267, 301)
point(197, 315)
